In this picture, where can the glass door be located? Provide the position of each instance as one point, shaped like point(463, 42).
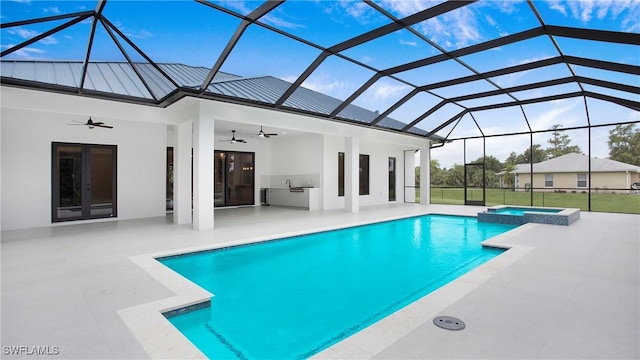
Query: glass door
point(68, 182)
point(392, 179)
point(219, 179)
point(83, 181)
point(234, 176)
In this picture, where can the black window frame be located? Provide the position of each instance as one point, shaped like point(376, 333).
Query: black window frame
point(55, 181)
point(363, 168)
point(364, 174)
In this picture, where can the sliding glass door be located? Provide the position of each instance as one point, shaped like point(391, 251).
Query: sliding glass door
point(234, 182)
point(83, 181)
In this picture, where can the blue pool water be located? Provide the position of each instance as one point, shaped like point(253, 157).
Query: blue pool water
point(294, 297)
point(520, 211)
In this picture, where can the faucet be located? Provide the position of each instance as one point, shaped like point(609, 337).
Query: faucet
point(288, 182)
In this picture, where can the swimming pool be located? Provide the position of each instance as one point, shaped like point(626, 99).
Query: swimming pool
point(294, 297)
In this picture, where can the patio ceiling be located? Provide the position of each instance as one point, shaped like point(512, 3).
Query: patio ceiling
point(424, 65)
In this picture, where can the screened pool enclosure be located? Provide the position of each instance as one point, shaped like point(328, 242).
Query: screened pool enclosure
point(498, 88)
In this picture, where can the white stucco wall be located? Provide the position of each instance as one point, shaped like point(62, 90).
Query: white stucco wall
point(379, 153)
point(31, 120)
point(26, 164)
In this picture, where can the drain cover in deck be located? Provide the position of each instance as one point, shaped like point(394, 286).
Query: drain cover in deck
point(449, 323)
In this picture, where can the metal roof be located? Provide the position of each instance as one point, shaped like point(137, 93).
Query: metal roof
point(442, 81)
point(120, 78)
point(574, 162)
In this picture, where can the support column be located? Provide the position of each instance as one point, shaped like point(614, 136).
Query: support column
point(352, 175)
point(182, 174)
point(425, 175)
point(203, 152)
point(409, 187)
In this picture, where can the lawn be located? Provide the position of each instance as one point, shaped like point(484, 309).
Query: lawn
point(604, 202)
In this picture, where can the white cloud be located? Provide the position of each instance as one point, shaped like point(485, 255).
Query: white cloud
point(456, 28)
point(622, 13)
point(490, 20)
point(289, 78)
point(135, 34)
point(29, 34)
point(25, 53)
point(49, 40)
point(367, 59)
point(406, 8)
point(558, 112)
point(23, 33)
point(558, 6)
point(281, 23)
point(240, 6)
point(331, 87)
point(355, 9)
point(52, 10)
point(512, 79)
point(140, 34)
point(408, 43)
point(384, 92)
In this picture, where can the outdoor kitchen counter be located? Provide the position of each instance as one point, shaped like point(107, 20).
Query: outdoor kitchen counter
point(307, 198)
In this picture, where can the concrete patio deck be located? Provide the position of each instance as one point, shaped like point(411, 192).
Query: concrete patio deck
point(574, 292)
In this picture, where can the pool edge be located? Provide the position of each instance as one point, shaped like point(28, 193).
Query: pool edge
point(161, 340)
point(375, 338)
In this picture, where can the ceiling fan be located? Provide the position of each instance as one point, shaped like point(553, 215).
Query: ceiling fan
point(262, 134)
point(233, 138)
point(91, 124)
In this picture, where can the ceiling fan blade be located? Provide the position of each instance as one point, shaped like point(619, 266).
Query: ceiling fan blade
point(103, 126)
point(262, 134)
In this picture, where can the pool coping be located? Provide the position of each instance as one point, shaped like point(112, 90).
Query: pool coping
point(161, 340)
point(565, 216)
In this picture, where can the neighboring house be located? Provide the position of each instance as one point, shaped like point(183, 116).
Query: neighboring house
point(570, 173)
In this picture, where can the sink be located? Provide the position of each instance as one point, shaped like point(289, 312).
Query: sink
point(296, 189)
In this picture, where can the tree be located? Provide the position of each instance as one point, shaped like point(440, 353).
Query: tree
point(539, 154)
point(508, 178)
point(491, 166)
point(491, 163)
point(624, 144)
point(560, 143)
point(455, 176)
point(438, 175)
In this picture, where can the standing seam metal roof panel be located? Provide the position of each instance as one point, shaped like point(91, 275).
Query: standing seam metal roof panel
point(65, 75)
point(159, 85)
point(127, 82)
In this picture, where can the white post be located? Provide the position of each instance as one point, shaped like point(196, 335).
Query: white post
point(182, 174)
point(409, 177)
point(352, 175)
point(203, 152)
point(425, 175)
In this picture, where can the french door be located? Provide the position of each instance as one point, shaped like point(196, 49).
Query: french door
point(83, 181)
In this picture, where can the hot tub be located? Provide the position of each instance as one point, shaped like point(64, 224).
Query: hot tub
point(519, 215)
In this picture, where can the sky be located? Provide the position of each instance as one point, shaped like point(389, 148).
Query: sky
point(190, 33)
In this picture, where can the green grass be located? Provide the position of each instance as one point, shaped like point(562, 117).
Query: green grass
point(616, 203)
